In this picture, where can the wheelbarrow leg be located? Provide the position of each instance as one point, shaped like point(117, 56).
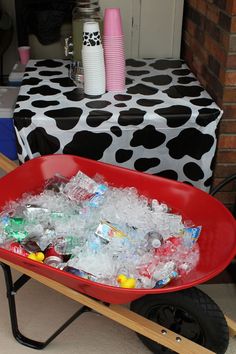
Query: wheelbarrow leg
point(11, 292)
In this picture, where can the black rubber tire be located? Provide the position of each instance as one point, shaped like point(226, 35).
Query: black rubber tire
point(203, 321)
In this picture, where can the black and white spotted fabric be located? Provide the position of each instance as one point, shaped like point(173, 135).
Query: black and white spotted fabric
point(91, 39)
point(163, 124)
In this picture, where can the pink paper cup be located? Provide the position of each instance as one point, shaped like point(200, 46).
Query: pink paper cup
point(112, 22)
point(24, 54)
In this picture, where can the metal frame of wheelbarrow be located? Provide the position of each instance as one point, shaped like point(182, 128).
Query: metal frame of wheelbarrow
point(118, 313)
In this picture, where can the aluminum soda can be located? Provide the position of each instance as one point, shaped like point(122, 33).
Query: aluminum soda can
point(31, 246)
point(16, 247)
point(50, 251)
point(53, 261)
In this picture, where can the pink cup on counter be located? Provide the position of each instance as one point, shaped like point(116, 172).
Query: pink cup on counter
point(112, 26)
point(24, 54)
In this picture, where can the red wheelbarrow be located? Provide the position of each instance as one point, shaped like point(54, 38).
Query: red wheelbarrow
point(177, 318)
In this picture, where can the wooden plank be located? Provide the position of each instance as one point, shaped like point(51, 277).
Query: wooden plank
point(232, 326)
point(6, 164)
point(121, 315)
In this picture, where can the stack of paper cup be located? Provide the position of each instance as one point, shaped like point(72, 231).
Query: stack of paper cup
point(93, 60)
point(113, 41)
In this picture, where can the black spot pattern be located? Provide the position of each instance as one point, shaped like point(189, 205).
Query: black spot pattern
point(149, 102)
point(92, 97)
point(22, 119)
point(175, 115)
point(143, 164)
point(148, 137)
point(91, 39)
point(181, 72)
point(137, 72)
point(166, 64)
point(116, 131)
point(75, 95)
point(18, 148)
point(98, 104)
point(128, 81)
point(43, 143)
point(43, 90)
point(188, 183)
point(22, 98)
point(190, 142)
point(133, 116)
point(208, 182)
point(193, 170)
point(171, 174)
point(88, 144)
point(186, 80)
point(33, 81)
point(206, 116)
point(63, 81)
point(49, 63)
point(66, 118)
point(120, 105)
point(180, 91)
point(123, 155)
point(96, 118)
point(158, 79)
point(122, 97)
point(142, 90)
point(49, 73)
point(202, 102)
point(30, 69)
point(43, 104)
point(212, 165)
point(135, 63)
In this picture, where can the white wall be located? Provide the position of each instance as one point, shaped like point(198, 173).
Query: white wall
point(160, 28)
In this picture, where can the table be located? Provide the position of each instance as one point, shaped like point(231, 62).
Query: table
point(163, 124)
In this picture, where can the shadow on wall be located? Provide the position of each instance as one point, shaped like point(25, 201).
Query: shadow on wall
point(6, 35)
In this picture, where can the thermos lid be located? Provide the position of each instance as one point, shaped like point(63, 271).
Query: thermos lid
point(87, 6)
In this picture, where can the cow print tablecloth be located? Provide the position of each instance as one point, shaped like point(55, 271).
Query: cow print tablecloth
point(164, 123)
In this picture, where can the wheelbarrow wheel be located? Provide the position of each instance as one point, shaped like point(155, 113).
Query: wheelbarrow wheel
point(190, 313)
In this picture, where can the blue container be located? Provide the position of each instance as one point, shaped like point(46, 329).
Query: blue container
point(8, 97)
point(8, 138)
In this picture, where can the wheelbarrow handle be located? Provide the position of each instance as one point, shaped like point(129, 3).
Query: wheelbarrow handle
point(227, 180)
point(6, 164)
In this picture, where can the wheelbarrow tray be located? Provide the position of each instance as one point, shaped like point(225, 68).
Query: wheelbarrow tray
point(217, 241)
